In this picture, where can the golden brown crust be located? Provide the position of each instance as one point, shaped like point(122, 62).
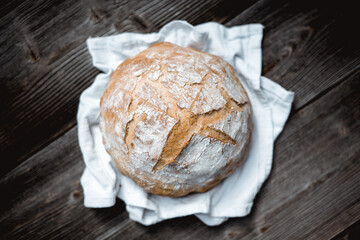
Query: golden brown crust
point(175, 120)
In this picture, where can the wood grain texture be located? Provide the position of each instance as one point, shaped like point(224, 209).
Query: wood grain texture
point(301, 41)
point(352, 232)
point(312, 192)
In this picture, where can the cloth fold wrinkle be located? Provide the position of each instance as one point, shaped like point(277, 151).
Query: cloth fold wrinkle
point(233, 197)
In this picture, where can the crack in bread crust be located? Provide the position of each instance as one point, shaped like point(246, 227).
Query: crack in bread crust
point(191, 94)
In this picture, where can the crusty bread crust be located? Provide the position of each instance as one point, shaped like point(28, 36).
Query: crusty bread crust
point(175, 120)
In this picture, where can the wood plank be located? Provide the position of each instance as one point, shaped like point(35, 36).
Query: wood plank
point(47, 190)
point(351, 233)
point(307, 47)
point(312, 190)
point(45, 64)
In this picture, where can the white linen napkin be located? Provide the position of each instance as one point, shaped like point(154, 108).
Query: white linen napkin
point(233, 197)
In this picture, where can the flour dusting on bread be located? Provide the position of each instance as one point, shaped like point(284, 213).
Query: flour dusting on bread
point(175, 120)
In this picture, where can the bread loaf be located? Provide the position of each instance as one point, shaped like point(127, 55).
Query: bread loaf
point(175, 120)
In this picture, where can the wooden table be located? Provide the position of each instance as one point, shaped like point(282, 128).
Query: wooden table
point(309, 47)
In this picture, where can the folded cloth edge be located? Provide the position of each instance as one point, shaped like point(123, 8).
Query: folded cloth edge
point(154, 35)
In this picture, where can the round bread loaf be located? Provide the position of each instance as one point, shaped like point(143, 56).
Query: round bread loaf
point(175, 120)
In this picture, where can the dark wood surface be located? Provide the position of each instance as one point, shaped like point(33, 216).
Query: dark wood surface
point(309, 47)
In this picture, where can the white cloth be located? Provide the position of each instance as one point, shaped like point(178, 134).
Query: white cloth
point(241, 47)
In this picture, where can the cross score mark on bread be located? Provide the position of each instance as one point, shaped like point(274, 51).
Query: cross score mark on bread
point(166, 103)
